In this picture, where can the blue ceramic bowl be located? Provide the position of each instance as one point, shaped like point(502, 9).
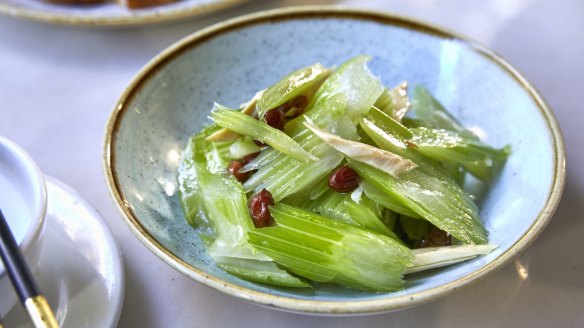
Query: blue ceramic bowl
point(170, 98)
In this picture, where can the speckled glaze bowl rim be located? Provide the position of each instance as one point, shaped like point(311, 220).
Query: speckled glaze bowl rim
point(134, 18)
point(392, 302)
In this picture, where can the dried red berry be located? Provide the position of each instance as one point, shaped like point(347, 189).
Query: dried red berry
point(344, 179)
point(258, 143)
point(234, 167)
point(435, 238)
point(275, 118)
point(297, 106)
point(249, 158)
point(259, 208)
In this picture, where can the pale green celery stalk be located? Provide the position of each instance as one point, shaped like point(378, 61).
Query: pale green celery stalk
point(188, 184)
point(388, 135)
point(386, 200)
point(381, 159)
point(375, 207)
point(389, 218)
point(394, 102)
point(475, 156)
point(243, 147)
point(432, 197)
point(435, 257)
point(367, 219)
point(415, 229)
point(222, 198)
point(326, 250)
point(390, 125)
point(428, 190)
point(248, 126)
point(342, 208)
point(291, 86)
point(355, 82)
point(284, 176)
point(261, 271)
point(319, 188)
point(348, 93)
point(456, 171)
point(225, 203)
point(429, 110)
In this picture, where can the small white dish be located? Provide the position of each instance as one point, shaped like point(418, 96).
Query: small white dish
point(80, 269)
point(23, 201)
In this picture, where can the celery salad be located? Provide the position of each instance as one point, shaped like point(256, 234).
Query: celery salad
point(328, 176)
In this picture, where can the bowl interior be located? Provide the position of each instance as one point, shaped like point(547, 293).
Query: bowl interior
point(171, 98)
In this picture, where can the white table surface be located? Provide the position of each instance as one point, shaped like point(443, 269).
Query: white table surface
point(58, 85)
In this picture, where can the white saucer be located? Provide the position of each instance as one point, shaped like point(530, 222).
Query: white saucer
point(80, 268)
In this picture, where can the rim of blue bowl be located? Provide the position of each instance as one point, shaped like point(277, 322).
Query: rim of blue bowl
point(392, 302)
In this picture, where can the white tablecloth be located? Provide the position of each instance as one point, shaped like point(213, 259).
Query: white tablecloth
point(58, 85)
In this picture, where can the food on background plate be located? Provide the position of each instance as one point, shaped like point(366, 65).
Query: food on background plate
point(328, 176)
point(131, 4)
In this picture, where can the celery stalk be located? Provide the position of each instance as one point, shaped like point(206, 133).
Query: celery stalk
point(224, 201)
point(249, 109)
point(341, 207)
point(291, 86)
point(415, 229)
point(212, 195)
point(445, 206)
point(348, 93)
point(188, 184)
point(355, 83)
point(429, 110)
point(284, 176)
point(325, 250)
point(248, 126)
point(478, 158)
point(379, 158)
point(386, 200)
point(394, 102)
point(261, 271)
point(435, 257)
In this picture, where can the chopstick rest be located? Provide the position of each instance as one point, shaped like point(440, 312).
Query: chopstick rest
point(28, 292)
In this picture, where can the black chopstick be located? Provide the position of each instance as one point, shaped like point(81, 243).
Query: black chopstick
point(28, 292)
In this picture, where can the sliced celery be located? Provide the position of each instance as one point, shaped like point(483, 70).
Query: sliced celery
point(429, 110)
point(283, 175)
point(415, 229)
point(386, 161)
point(348, 93)
point(261, 271)
point(291, 86)
point(341, 207)
point(243, 147)
point(248, 126)
point(394, 102)
point(319, 188)
point(224, 201)
point(325, 250)
point(220, 197)
point(249, 109)
point(435, 257)
point(386, 200)
point(437, 200)
point(355, 83)
point(478, 158)
point(388, 123)
point(188, 184)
